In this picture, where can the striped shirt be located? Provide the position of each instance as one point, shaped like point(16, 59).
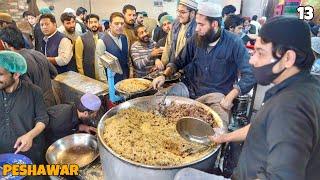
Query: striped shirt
point(141, 57)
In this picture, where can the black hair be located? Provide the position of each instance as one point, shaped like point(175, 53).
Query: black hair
point(191, 9)
point(27, 13)
point(211, 19)
point(137, 13)
point(229, 9)
point(49, 16)
point(51, 8)
point(161, 15)
point(315, 30)
point(67, 16)
point(137, 28)
point(106, 25)
point(145, 14)
point(128, 6)
point(13, 37)
point(82, 108)
point(303, 61)
point(89, 16)
point(81, 10)
point(116, 14)
point(233, 21)
point(254, 18)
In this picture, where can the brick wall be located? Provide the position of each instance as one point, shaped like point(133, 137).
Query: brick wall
point(14, 7)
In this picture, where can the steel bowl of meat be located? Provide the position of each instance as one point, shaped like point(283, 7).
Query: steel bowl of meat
point(142, 142)
point(175, 77)
point(80, 149)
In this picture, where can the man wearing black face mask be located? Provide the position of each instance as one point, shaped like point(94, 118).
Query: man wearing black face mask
point(211, 61)
point(283, 141)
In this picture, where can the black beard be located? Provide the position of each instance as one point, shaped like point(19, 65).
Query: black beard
point(70, 31)
point(204, 41)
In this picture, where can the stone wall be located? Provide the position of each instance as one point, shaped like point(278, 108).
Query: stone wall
point(14, 7)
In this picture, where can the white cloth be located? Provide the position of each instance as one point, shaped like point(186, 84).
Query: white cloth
point(194, 174)
point(257, 25)
point(78, 26)
point(99, 68)
point(65, 52)
point(209, 9)
point(190, 3)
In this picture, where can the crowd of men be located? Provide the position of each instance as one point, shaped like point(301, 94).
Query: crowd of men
point(206, 42)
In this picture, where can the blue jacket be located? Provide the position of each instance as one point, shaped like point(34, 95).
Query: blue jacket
point(50, 49)
point(175, 32)
point(216, 70)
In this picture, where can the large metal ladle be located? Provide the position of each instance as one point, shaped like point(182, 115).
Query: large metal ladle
point(195, 130)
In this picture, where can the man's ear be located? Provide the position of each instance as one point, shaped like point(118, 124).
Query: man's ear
point(214, 24)
point(16, 76)
point(290, 58)
point(193, 14)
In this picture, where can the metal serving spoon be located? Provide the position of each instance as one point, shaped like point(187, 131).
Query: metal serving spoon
point(195, 130)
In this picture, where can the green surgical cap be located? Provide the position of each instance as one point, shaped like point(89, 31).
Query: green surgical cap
point(166, 18)
point(45, 10)
point(13, 62)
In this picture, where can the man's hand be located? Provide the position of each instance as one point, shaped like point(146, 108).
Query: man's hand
point(219, 139)
point(220, 136)
point(87, 129)
point(156, 52)
point(23, 143)
point(158, 64)
point(226, 102)
point(158, 82)
point(52, 60)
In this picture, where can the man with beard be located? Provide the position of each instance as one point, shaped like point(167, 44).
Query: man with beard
point(211, 61)
point(283, 140)
point(68, 26)
point(39, 71)
point(68, 29)
point(23, 114)
point(116, 44)
point(182, 30)
point(85, 47)
point(145, 56)
point(130, 17)
point(66, 119)
point(55, 46)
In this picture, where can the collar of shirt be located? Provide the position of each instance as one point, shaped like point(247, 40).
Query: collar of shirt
point(220, 31)
point(47, 38)
point(78, 19)
point(113, 37)
point(284, 84)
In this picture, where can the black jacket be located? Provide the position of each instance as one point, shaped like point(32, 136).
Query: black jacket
point(284, 139)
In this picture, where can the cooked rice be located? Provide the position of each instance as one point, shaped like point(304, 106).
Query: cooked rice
point(150, 139)
point(134, 85)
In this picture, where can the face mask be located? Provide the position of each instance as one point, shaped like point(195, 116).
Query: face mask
point(264, 74)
